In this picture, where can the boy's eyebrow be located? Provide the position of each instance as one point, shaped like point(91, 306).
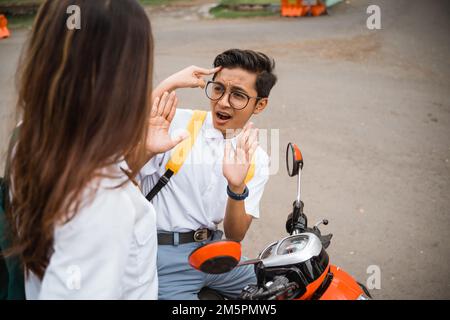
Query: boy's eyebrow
point(239, 88)
point(233, 86)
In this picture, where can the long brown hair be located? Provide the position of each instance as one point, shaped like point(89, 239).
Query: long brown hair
point(84, 100)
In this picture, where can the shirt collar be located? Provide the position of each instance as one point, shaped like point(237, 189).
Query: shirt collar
point(209, 132)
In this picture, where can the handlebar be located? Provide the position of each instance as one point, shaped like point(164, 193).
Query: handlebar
point(297, 222)
point(277, 288)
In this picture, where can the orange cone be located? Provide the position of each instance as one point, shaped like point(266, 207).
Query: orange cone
point(291, 8)
point(318, 10)
point(4, 32)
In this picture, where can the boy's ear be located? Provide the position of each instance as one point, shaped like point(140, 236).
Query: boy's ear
point(261, 105)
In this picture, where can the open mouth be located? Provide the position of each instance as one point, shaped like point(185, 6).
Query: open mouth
point(223, 116)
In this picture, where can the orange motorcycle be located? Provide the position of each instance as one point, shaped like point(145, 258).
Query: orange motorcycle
point(296, 267)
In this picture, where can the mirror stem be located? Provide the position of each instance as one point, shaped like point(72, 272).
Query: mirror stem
point(299, 188)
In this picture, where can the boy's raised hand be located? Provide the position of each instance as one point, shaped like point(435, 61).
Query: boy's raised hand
point(236, 163)
point(158, 137)
point(191, 77)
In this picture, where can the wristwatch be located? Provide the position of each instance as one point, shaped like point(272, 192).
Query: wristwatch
point(236, 196)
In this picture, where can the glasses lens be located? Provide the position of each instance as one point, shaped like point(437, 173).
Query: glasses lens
point(238, 100)
point(214, 91)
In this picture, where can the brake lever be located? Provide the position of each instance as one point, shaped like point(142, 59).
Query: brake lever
point(326, 240)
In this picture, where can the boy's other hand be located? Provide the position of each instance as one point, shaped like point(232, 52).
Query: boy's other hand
point(237, 161)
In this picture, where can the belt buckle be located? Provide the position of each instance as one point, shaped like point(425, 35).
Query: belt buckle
point(201, 235)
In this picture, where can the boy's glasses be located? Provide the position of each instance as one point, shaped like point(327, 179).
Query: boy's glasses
point(237, 99)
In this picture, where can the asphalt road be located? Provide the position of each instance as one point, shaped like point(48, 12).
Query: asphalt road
point(370, 110)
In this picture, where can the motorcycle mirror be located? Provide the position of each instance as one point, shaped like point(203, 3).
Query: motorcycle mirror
point(216, 257)
point(294, 159)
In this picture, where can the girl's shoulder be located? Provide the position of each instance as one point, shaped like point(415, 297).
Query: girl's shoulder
point(108, 202)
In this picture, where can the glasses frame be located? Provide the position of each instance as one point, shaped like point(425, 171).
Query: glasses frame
point(229, 95)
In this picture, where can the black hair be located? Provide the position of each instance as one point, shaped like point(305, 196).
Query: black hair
point(251, 61)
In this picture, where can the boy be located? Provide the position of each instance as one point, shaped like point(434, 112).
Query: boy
point(220, 176)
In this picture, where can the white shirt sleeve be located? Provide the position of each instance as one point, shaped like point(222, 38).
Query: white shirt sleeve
point(257, 184)
point(90, 252)
point(152, 166)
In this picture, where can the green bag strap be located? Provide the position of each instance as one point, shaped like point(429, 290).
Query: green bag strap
point(12, 285)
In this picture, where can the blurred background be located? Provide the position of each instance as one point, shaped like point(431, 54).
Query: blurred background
point(370, 110)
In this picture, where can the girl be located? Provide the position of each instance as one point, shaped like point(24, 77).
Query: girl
point(82, 228)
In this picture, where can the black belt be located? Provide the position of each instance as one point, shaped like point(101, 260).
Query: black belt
point(184, 237)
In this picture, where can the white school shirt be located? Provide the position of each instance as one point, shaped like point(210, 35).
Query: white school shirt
point(196, 196)
point(107, 251)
